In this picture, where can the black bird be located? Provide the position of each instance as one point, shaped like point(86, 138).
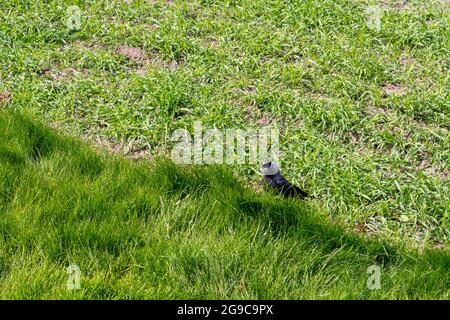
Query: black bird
point(273, 177)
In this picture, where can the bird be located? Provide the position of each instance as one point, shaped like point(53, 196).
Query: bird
point(273, 178)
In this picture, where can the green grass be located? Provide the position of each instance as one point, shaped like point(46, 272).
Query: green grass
point(156, 231)
point(363, 114)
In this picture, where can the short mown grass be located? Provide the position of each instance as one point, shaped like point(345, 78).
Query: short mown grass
point(153, 230)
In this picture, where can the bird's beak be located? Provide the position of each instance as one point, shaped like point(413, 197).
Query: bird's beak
point(267, 165)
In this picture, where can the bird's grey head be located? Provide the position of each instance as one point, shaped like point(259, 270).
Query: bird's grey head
point(270, 168)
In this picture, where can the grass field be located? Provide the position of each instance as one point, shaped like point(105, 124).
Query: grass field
point(154, 230)
point(363, 115)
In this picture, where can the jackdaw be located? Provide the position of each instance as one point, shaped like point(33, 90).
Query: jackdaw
point(273, 178)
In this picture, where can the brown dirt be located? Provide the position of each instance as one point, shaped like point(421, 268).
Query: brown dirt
point(372, 110)
point(405, 60)
point(133, 53)
point(5, 97)
point(398, 5)
point(395, 89)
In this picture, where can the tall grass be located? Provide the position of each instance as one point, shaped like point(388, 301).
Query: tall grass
point(154, 230)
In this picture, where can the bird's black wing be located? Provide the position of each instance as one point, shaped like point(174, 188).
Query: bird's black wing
point(279, 183)
point(298, 192)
